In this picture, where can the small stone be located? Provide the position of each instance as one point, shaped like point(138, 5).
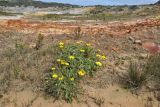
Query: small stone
point(131, 39)
point(138, 42)
point(143, 56)
point(122, 68)
point(32, 45)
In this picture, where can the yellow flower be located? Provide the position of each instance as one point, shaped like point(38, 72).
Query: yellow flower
point(103, 57)
point(61, 43)
point(61, 46)
point(53, 68)
point(79, 42)
point(88, 44)
point(72, 79)
point(71, 57)
point(63, 62)
point(82, 72)
point(67, 64)
point(82, 50)
point(98, 55)
point(54, 76)
point(58, 60)
point(61, 78)
point(98, 63)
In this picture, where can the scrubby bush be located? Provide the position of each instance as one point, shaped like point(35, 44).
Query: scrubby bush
point(152, 68)
point(135, 77)
point(72, 63)
point(77, 33)
point(20, 47)
point(39, 41)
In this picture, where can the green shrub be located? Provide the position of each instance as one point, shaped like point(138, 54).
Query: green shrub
point(73, 62)
point(77, 33)
point(20, 47)
point(136, 77)
point(152, 68)
point(39, 41)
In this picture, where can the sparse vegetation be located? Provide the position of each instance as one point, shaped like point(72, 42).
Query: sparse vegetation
point(152, 68)
point(77, 33)
point(39, 41)
point(138, 74)
point(55, 69)
point(108, 13)
point(135, 77)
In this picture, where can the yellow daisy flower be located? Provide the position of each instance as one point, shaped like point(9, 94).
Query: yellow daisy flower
point(54, 76)
point(61, 46)
point(98, 63)
point(103, 57)
point(58, 60)
point(61, 78)
point(61, 43)
point(79, 42)
point(82, 50)
point(71, 57)
point(53, 68)
point(98, 55)
point(63, 62)
point(88, 44)
point(67, 64)
point(72, 79)
point(82, 72)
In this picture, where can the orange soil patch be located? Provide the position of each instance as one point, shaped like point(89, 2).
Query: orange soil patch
point(111, 28)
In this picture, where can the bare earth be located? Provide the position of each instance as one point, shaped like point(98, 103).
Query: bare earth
point(116, 28)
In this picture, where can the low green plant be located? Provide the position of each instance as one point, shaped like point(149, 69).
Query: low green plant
point(20, 47)
point(73, 62)
point(39, 41)
point(152, 68)
point(16, 71)
point(77, 33)
point(136, 77)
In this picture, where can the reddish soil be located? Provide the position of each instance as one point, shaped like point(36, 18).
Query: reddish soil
point(111, 28)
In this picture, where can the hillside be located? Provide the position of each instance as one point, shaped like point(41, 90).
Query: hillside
point(33, 3)
point(158, 2)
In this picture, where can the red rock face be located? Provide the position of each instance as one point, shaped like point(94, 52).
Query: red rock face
point(152, 47)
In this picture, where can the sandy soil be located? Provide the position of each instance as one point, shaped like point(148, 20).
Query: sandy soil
point(113, 96)
point(16, 17)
